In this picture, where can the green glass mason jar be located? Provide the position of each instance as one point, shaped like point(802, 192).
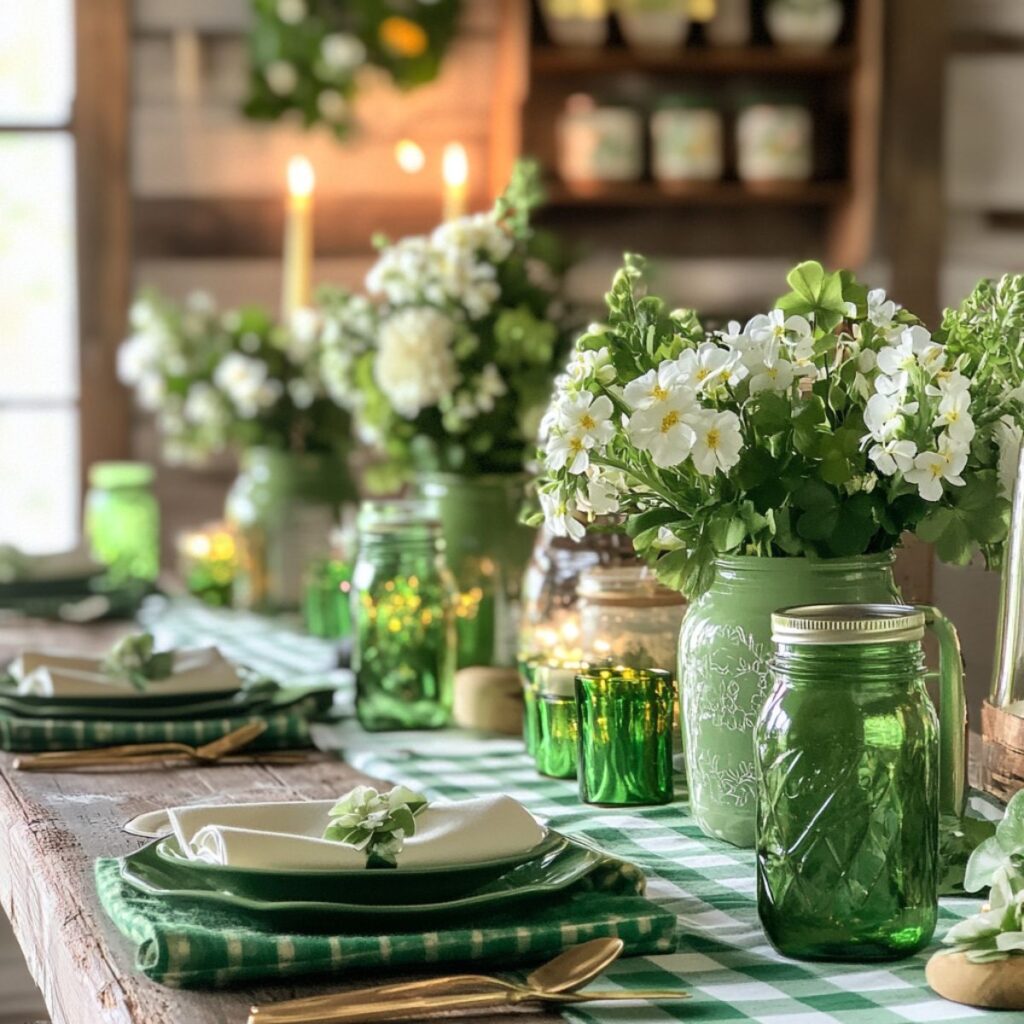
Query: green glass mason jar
point(724, 669)
point(625, 736)
point(403, 601)
point(282, 507)
point(557, 726)
point(851, 779)
point(487, 551)
point(531, 719)
point(122, 520)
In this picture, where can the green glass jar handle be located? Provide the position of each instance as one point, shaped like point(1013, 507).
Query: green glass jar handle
point(952, 714)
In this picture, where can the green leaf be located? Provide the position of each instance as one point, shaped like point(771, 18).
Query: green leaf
point(810, 426)
point(643, 528)
point(817, 524)
point(813, 495)
point(727, 531)
point(770, 414)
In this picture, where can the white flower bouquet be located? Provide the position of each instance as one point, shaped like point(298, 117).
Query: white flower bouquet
point(827, 427)
point(448, 364)
point(229, 379)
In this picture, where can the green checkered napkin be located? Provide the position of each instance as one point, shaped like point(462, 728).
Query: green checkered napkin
point(185, 946)
point(287, 728)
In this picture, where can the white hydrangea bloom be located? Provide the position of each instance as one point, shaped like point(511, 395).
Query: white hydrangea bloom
point(415, 366)
point(342, 52)
point(247, 384)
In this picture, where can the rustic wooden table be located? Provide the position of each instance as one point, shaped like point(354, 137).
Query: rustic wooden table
point(54, 826)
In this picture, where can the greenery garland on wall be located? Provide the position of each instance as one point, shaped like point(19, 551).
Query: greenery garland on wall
point(307, 55)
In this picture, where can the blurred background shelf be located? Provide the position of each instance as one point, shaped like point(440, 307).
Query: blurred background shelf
point(717, 193)
point(556, 61)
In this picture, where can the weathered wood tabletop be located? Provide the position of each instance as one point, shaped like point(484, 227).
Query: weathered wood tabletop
point(54, 826)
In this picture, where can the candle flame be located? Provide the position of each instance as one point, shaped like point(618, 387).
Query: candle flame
point(409, 156)
point(455, 165)
point(300, 177)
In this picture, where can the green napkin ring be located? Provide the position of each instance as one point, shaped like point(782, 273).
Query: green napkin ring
point(378, 823)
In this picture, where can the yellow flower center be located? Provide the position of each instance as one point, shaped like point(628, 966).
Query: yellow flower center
point(936, 468)
point(576, 444)
point(713, 438)
point(669, 421)
point(587, 422)
point(702, 373)
point(659, 393)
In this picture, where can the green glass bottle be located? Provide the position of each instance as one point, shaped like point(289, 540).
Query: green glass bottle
point(327, 589)
point(122, 520)
point(851, 777)
point(625, 736)
point(403, 601)
point(558, 732)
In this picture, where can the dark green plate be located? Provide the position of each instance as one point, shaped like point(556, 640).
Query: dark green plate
point(258, 700)
point(152, 698)
point(372, 886)
point(534, 881)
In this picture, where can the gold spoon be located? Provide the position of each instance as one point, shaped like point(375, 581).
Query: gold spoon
point(128, 753)
point(571, 969)
point(554, 981)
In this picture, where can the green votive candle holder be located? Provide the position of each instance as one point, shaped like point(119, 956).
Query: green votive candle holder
point(531, 716)
point(557, 732)
point(625, 736)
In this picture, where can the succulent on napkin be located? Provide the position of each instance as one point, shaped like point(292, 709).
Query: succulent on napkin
point(378, 823)
point(998, 862)
point(133, 658)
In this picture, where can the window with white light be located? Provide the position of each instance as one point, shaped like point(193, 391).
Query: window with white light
point(39, 380)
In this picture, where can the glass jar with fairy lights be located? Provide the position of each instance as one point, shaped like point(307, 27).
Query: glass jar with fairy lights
point(627, 618)
point(403, 611)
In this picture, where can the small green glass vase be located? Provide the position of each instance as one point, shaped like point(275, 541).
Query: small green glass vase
point(282, 507)
point(122, 520)
point(852, 779)
point(724, 669)
point(403, 602)
point(625, 736)
point(557, 738)
point(487, 549)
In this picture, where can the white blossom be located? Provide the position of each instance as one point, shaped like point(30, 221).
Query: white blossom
point(591, 365)
point(560, 515)
point(664, 428)
point(884, 415)
point(583, 413)
point(414, 365)
point(894, 456)
point(291, 12)
point(710, 366)
point(281, 77)
point(881, 311)
point(777, 377)
point(204, 406)
point(332, 106)
point(246, 383)
point(654, 387)
point(342, 52)
point(932, 468)
point(488, 386)
point(718, 442)
point(955, 416)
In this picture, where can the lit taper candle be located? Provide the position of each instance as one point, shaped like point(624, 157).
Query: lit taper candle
point(455, 170)
point(297, 281)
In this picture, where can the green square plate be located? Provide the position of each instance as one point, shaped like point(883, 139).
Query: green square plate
point(564, 864)
point(362, 885)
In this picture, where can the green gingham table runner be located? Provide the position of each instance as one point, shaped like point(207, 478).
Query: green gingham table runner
point(735, 976)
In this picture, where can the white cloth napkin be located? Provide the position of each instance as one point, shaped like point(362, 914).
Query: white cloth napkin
point(16, 566)
point(50, 674)
point(288, 836)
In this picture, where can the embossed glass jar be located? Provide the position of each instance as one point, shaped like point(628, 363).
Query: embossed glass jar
point(724, 669)
point(403, 612)
point(851, 781)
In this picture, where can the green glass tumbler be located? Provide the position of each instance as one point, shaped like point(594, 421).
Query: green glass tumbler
point(531, 720)
point(122, 520)
point(403, 601)
point(851, 778)
point(558, 732)
point(625, 736)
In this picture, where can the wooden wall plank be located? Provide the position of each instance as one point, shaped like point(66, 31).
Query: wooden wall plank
point(984, 155)
point(103, 217)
